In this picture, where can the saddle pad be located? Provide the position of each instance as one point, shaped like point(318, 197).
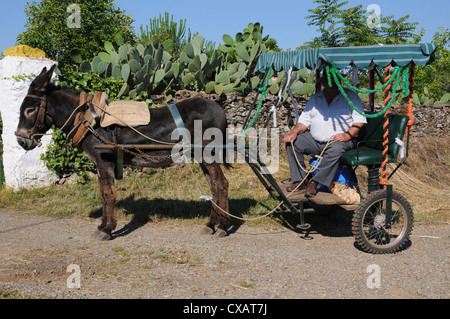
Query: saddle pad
point(126, 113)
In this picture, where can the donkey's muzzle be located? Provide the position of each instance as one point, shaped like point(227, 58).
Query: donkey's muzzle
point(26, 144)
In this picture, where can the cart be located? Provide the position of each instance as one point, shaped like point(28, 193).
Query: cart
point(383, 220)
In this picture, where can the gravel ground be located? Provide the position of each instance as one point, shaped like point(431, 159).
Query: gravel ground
point(172, 259)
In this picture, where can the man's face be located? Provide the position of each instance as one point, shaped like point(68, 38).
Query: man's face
point(324, 81)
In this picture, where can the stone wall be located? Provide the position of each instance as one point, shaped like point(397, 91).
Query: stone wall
point(428, 119)
point(431, 119)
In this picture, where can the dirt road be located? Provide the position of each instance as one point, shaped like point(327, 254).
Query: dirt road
point(173, 260)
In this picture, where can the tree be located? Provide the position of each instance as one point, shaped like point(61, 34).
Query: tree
point(349, 27)
point(436, 76)
point(325, 17)
point(354, 30)
point(397, 31)
point(50, 27)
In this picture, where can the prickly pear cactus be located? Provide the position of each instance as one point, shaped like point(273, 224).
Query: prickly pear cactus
point(145, 70)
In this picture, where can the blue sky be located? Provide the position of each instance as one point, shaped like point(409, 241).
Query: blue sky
point(283, 20)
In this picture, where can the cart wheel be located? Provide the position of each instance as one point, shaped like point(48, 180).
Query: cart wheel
point(369, 226)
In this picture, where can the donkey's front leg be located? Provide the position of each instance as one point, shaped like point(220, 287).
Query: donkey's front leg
point(108, 195)
point(219, 189)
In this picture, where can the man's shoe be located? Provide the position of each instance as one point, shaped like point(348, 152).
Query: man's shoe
point(311, 189)
point(301, 185)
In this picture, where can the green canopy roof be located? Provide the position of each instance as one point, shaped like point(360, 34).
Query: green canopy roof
point(362, 56)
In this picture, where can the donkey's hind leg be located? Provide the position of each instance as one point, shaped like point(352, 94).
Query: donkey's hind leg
point(210, 226)
point(219, 188)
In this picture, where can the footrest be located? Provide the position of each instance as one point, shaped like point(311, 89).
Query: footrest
point(321, 198)
point(324, 198)
point(297, 195)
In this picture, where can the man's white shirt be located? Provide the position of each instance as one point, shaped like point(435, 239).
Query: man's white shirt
point(325, 121)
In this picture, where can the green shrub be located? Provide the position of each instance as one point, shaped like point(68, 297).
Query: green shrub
point(91, 82)
point(63, 159)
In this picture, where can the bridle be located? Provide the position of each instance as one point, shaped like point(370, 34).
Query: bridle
point(40, 119)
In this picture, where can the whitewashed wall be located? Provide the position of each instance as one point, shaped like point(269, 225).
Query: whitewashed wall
point(23, 169)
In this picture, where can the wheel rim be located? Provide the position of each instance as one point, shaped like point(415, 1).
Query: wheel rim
point(374, 227)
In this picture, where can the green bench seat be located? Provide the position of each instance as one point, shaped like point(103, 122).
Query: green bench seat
point(370, 141)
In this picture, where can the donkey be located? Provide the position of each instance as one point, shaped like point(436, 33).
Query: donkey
point(47, 104)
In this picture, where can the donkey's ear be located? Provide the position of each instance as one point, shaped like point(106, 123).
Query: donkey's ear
point(41, 75)
point(52, 69)
point(43, 79)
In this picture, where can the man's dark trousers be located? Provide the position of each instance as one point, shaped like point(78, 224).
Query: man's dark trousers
point(306, 145)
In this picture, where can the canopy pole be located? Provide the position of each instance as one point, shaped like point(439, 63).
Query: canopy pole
point(384, 177)
point(372, 87)
point(318, 85)
point(410, 97)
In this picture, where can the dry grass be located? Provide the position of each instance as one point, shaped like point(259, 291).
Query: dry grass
point(174, 193)
point(425, 178)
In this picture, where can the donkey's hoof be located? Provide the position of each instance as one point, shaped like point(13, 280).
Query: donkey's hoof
point(207, 231)
point(96, 233)
point(103, 236)
point(220, 233)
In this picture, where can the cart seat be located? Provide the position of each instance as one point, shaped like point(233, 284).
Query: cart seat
point(370, 141)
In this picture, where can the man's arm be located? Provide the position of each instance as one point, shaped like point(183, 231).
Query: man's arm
point(349, 134)
point(298, 129)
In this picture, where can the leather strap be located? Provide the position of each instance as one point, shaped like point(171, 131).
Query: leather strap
point(90, 117)
point(40, 119)
point(176, 116)
point(95, 116)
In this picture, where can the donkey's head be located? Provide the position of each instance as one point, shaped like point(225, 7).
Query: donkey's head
point(34, 119)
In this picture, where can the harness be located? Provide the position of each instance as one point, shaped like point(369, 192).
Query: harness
point(89, 118)
point(42, 113)
point(176, 116)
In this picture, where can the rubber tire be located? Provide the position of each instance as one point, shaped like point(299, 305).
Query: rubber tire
point(359, 215)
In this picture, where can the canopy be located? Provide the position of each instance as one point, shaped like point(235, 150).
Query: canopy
point(362, 56)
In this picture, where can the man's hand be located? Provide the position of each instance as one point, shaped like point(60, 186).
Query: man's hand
point(292, 135)
point(342, 137)
point(348, 135)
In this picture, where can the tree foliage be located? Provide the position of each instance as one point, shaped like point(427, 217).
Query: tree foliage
point(354, 29)
point(397, 31)
point(340, 26)
point(325, 16)
point(47, 28)
point(435, 78)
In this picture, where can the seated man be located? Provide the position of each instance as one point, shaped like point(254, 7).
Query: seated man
point(327, 114)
